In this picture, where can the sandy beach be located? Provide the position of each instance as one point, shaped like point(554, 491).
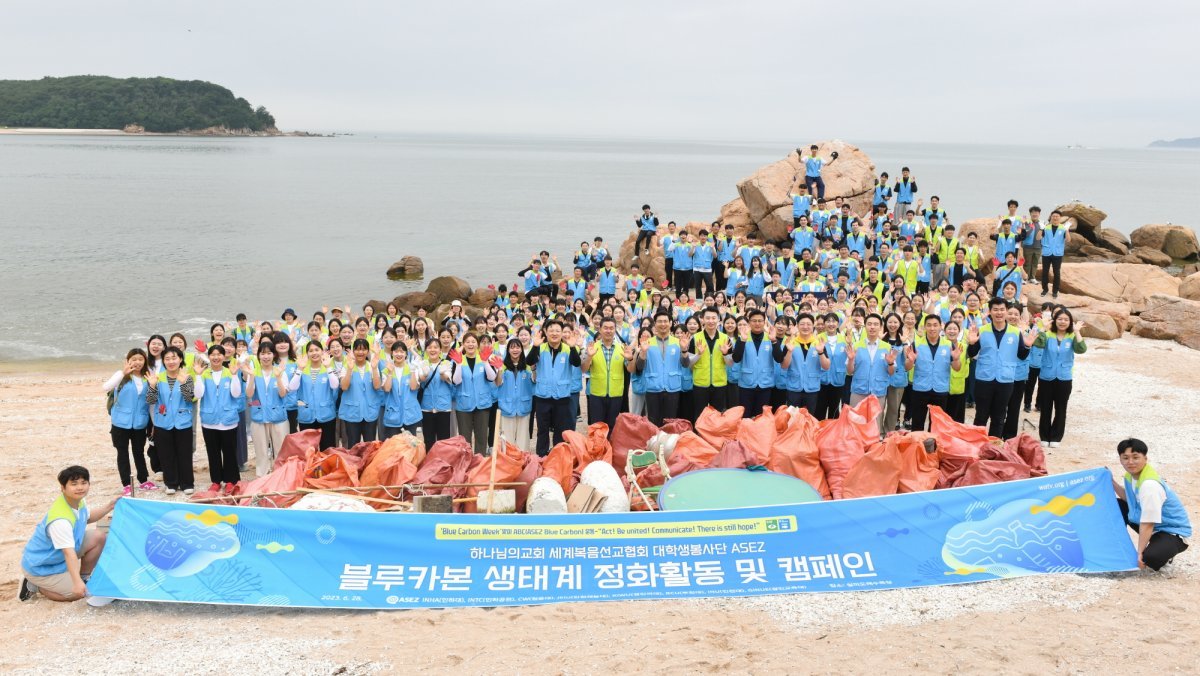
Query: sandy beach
point(53, 415)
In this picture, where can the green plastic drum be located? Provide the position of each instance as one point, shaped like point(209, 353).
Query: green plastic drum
point(730, 488)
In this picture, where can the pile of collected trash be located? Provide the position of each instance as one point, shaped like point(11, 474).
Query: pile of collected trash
point(840, 458)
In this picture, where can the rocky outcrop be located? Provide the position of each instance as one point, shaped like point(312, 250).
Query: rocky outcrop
point(1170, 318)
point(448, 289)
point(1118, 282)
point(1151, 256)
point(1119, 314)
point(415, 300)
point(134, 129)
point(766, 192)
point(1189, 288)
point(409, 267)
point(1088, 219)
point(735, 213)
point(983, 228)
point(483, 297)
point(1113, 240)
point(1176, 241)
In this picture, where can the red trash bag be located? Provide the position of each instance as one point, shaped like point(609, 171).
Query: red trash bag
point(795, 449)
point(1029, 450)
point(676, 426)
point(446, 463)
point(718, 428)
point(960, 444)
point(877, 472)
point(843, 441)
point(758, 434)
point(733, 455)
point(597, 438)
point(287, 477)
point(631, 432)
point(509, 465)
point(531, 470)
point(919, 469)
point(992, 472)
point(297, 445)
point(559, 465)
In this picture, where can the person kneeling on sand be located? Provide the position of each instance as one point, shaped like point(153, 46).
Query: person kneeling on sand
point(59, 558)
point(1150, 508)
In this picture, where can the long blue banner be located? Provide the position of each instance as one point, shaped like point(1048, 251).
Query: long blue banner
point(162, 551)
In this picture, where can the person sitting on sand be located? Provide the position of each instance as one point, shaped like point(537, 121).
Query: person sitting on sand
point(1150, 508)
point(59, 558)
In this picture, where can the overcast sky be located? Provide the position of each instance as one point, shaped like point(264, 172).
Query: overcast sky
point(1041, 72)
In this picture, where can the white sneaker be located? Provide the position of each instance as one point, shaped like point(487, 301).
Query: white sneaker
point(1054, 444)
point(99, 601)
point(188, 491)
point(170, 491)
point(1045, 444)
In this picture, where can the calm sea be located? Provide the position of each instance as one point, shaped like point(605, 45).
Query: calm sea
point(107, 240)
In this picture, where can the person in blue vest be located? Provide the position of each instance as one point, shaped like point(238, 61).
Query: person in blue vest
point(317, 387)
point(682, 261)
point(1054, 247)
point(266, 389)
point(997, 350)
point(577, 286)
point(60, 556)
point(756, 355)
point(812, 169)
point(401, 410)
point(436, 393)
point(870, 363)
point(1060, 340)
point(805, 359)
point(1031, 242)
point(554, 361)
point(661, 362)
point(802, 202)
point(647, 227)
point(219, 391)
point(905, 188)
point(514, 394)
point(833, 376)
point(130, 415)
point(1150, 507)
point(583, 260)
point(172, 403)
point(725, 245)
point(704, 254)
point(606, 281)
point(932, 359)
point(473, 379)
point(882, 194)
point(359, 408)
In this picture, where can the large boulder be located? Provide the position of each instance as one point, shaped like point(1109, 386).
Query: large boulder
point(1151, 256)
point(449, 288)
point(767, 191)
point(651, 261)
point(1119, 313)
point(1189, 288)
point(483, 297)
point(735, 213)
point(1118, 282)
point(1113, 240)
point(415, 300)
point(409, 267)
point(1177, 241)
point(1075, 242)
point(1098, 325)
point(1087, 218)
point(379, 306)
point(1091, 252)
point(1170, 318)
point(1188, 270)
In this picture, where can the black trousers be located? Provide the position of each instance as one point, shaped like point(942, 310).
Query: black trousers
point(221, 446)
point(991, 405)
point(829, 403)
point(389, 432)
point(779, 397)
point(1162, 546)
point(662, 405)
point(719, 274)
point(683, 282)
point(1031, 386)
point(604, 409)
point(703, 397)
point(551, 416)
point(293, 424)
point(805, 400)
point(328, 432)
point(152, 448)
point(175, 452)
point(753, 399)
point(127, 441)
point(1048, 263)
point(435, 426)
point(1012, 423)
point(646, 236)
point(702, 279)
point(669, 268)
point(1053, 396)
point(956, 407)
point(919, 404)
point(360, 431)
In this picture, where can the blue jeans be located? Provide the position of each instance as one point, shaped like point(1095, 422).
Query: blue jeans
point(810, 181)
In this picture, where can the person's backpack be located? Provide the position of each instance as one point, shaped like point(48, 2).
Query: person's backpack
point(110, 398)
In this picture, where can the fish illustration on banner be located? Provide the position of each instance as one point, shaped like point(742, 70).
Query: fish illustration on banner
point(1022, 536)
point(182, 543)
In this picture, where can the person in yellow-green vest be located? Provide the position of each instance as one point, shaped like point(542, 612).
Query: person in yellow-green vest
point(60, 556)
point(605, 363)
point(1150, 508)
point(713, 354)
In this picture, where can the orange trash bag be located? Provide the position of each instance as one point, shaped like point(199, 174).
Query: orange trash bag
point(717, 428)
point(693, 449)
point(920, 469)
point(559, 464)
point(676, 426)
point(631, 432)
point(597, 437)
point(297, 445)
point(733, 455)
point(286, 477)
point(446, 463)
point(795, 449)
point(1029, 449)
point(531, 470)
point(960, 444)
point(758, 434)
point(842, 442)
point(877, 472)
point(508, 467)
point(331, 469)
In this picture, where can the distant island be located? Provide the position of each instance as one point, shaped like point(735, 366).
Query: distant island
point(135, 105)
point(1178, 143)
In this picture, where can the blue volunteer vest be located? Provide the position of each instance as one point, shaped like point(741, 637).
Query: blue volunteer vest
point(1058, 357)
point(359, 402)
point(804, 373)
point(553, 372)
point(515, 394)
point(1054, 241)
point(318, 397)
point(870, 375)
point(757, 368)
point(173, 412)
point(400, 406)
point(663, 372)
point(931, 372)
point(438, 393)
point(997, 362)
point(835, 375)
point(129, 409)
point(218, 406)
point(607, 280)
point(40, 558)
point(904, 191)
point(1174, 516)
point(472, 393)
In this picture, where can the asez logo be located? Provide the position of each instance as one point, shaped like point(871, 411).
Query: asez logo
point(778, 524)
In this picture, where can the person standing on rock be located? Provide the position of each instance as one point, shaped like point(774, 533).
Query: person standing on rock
point(801, 201)
point(1031, 242)
point(1054, 247)
point(669, 241)
point(905, 188)
point(812, 169)
point(647, 227)
point(882, 193)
